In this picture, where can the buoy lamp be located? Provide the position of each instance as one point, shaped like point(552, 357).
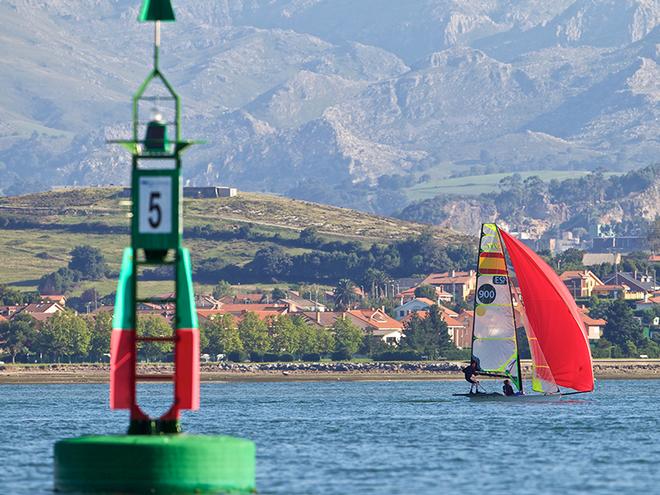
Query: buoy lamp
point(154, 456)
point(156, 10)
point(155, 139)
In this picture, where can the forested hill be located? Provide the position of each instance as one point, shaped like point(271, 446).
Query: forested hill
point(626, 203)
point(251, 238)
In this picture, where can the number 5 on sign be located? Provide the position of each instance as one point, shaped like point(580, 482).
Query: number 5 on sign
point(155, 205)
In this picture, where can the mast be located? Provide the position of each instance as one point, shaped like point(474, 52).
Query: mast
point(474, 302)
point(513, 312)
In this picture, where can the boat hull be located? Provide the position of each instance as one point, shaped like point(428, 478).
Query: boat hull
point(496, 397)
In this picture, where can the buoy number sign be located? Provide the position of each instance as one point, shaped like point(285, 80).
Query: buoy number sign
point(155, 212)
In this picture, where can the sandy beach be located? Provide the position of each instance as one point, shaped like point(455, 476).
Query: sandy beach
point(259, 372)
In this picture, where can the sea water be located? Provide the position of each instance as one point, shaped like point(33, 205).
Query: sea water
point(372, 437)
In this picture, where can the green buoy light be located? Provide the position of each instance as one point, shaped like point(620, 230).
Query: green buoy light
point(155, 139)
point(154, 457)
point(156, 10)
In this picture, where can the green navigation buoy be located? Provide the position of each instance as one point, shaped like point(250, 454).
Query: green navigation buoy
point(154, 457)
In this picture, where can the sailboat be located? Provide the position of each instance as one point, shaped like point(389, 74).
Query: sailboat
point(539, 301)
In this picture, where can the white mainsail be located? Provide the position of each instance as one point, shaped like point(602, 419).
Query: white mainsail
point(494, 345)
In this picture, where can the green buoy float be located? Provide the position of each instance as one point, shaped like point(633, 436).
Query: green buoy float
point(154, 456)
point(155, 464)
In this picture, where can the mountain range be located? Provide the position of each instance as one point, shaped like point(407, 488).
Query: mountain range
point(322, 99)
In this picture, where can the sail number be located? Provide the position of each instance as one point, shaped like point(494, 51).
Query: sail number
point(486, 294)
point(155, 212)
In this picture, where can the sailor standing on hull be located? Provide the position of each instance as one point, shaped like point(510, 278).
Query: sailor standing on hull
point(470, 375)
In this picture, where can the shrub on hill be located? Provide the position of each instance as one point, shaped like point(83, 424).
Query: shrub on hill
point(427, 291)
point(89, 262)
point(222, 288)
point(309, 237)
point(61, 281)
point(277, 294)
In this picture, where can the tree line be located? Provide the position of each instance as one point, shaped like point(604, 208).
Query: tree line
point(624, 334)
point(66, 336)
point(408, 257)
point(69, 337)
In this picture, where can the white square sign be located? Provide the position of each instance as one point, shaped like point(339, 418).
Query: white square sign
point(155, 205)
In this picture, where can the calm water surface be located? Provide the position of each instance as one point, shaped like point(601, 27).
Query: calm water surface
point(373, 438)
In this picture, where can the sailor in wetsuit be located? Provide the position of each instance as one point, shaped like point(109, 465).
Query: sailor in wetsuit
point(470, 372)
point(507, 388)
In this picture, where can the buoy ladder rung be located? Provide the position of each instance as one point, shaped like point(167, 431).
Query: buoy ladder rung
point(155, 378)
point(155, 339)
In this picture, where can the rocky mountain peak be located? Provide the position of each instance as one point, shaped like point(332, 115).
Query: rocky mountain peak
point(343, 92)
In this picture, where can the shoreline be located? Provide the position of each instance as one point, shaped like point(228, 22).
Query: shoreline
point(21, 374)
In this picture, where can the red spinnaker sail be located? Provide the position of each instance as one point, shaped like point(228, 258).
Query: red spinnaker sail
point(553, 316)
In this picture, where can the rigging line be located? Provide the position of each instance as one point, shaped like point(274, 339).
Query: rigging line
point(576, 392)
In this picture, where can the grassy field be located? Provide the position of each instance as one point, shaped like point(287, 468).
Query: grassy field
point(29, 254)
point(268, 213)
point(474, 185)
point(33, 252)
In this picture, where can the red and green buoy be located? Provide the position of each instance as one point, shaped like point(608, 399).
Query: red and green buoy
point(154, 456)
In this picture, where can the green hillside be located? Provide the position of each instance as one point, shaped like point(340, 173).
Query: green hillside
point(473, 185)
point(39, 230)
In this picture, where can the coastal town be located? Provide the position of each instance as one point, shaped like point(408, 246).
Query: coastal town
point(231, 317)
point(284, 280)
